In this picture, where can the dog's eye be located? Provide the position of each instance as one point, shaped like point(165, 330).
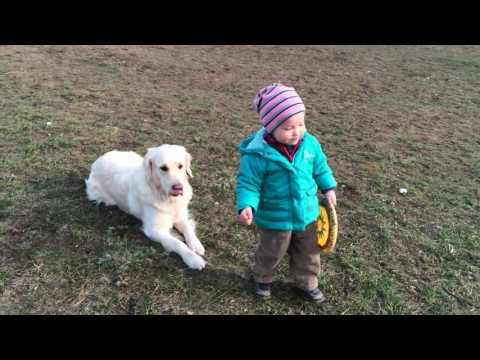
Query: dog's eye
point(180, 166)
point(164, 168)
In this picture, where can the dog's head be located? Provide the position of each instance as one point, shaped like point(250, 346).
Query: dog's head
point(167, 167)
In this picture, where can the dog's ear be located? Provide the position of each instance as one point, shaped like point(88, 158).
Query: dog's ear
point(188, 164)
point(148, 165)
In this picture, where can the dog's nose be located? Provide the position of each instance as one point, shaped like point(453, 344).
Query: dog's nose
point(177, 187)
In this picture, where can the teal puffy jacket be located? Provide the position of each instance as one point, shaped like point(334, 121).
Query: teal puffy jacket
point(283, 195)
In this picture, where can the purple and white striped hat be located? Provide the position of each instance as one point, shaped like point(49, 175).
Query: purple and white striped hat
point(276, 103)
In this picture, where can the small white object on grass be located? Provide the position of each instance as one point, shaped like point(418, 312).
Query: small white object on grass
point(49, 123)
point(402, 191)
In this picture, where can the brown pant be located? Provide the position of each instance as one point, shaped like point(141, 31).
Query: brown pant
point(302, 248)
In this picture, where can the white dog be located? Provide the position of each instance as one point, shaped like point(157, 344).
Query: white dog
point(154, 189)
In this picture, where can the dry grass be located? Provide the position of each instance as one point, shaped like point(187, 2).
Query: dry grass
point(388, 117)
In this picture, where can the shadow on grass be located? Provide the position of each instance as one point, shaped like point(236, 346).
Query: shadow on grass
point(57, 216)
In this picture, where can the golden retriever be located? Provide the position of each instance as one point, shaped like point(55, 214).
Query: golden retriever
point(154, 189)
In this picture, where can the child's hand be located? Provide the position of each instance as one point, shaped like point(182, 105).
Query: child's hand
point(331, 197)
point(245, 217)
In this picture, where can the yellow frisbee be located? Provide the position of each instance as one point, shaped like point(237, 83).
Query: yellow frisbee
point(327, 227)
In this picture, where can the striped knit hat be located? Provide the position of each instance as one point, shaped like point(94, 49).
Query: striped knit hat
point(275, 104)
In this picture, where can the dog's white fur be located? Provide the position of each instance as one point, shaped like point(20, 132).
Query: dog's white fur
point(148, 188)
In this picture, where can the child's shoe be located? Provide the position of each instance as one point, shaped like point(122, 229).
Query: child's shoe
point(263, 290)
point(314, 295)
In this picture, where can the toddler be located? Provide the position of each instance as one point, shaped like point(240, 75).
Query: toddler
point(282, 166)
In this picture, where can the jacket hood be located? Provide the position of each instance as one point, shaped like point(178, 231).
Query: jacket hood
point(254, 143)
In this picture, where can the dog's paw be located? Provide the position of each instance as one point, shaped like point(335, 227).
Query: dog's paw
point(195, 262)
point(196, 246)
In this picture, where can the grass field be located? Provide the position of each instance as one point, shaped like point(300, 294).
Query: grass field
point(387, 117)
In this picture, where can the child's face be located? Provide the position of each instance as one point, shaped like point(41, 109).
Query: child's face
point(292, 130)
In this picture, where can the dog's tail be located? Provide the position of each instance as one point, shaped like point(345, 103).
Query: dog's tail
point(95, 192)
